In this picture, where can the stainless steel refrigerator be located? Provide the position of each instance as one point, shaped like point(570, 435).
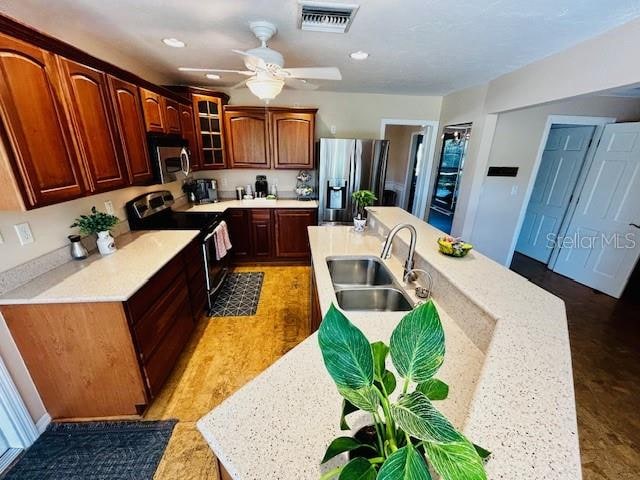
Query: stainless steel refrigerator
point(346, 166)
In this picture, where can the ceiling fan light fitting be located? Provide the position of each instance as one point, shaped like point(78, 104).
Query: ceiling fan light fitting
point(265, 88)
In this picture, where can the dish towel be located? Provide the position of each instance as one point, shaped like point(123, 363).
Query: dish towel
point(221, 239)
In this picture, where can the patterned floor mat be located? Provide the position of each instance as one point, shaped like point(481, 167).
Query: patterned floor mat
point(239, 295)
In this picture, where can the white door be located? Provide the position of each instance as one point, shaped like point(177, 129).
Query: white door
point(562, 160)
point(4, 446)
point(602, 243)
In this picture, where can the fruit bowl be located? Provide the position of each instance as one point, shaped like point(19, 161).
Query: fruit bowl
point(454, 247)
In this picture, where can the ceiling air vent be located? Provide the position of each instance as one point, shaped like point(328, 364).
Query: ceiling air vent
point(326, 17)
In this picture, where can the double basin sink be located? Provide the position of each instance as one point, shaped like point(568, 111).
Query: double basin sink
point(365, 283)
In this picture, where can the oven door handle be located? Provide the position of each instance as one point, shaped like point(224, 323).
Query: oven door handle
point(208, 237)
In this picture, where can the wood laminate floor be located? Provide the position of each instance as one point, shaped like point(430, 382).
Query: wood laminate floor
point(223, 354)
point(605, 349)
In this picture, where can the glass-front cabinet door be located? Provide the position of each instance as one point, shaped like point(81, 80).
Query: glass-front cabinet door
point(209, 121)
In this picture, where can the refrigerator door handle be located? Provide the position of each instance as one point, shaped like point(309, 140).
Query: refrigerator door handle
point(352, 179)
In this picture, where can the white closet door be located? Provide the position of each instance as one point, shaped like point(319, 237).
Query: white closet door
point(561, 162)
point(602, 244)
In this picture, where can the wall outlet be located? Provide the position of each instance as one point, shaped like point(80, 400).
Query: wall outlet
point(224, 182)
point(514, 190)
point(108, 207)
point(333, 129)
point(24, 233)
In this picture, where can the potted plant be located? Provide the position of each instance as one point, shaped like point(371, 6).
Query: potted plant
point(98, 223)
point(362, 199)
point(408, 435)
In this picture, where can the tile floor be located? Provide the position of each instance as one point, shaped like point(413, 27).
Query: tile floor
point(223, 354)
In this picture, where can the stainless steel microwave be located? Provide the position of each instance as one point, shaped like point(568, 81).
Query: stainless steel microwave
point(169, 158)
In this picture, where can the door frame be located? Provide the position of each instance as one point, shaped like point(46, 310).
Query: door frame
point(431, 135)
point(20, 430)
point(599, 123)
point(410, 168)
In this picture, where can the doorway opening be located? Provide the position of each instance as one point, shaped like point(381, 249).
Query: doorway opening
point(410, 162)
point(455, 141)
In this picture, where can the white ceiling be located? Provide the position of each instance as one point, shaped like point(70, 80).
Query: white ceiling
point(429, 47)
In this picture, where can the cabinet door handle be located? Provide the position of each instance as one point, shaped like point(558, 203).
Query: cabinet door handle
point(634, 225)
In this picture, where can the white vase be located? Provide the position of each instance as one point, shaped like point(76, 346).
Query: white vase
point(106, 243)
point(359, 224)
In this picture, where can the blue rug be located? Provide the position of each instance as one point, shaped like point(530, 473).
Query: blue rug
point(95, 450)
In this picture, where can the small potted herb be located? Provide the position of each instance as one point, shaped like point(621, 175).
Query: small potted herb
point(409, 435)
point(100, 224)
point(362, 199)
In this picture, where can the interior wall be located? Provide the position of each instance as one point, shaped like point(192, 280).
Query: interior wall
point(597, 64)
point(516, 143)
point(465, 106)
point(354, 115)
point(399, 137)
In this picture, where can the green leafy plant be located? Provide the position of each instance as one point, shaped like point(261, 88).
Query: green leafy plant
point(410, 433)
point(96, 222)
point(363, 199)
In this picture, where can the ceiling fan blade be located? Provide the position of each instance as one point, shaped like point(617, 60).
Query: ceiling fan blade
point(252, 60)
point(218, 70)
point(299, 84)
point(239, 84)
point(320, 73)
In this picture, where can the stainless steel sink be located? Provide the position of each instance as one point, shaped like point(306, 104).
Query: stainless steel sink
point(379, 299)
point(358, 271)
point(365, 283)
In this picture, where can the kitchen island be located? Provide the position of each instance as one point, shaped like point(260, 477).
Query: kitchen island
point(508, 365)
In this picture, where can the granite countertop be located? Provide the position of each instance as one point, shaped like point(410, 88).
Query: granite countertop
point(223, 205)
point(112, 278)
point(508, 364)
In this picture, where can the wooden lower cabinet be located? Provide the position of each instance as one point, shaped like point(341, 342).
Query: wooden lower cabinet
point(95, 360)
point(261, 234)
point(271, 235)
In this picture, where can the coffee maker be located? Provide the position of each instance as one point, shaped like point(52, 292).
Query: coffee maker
point(262, 187)
point(206, 190)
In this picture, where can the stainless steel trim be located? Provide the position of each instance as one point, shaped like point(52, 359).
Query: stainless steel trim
point(167, 201)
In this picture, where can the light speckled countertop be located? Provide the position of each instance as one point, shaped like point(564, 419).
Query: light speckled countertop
point(512, 394)
point(112, 278)
point(223, 205)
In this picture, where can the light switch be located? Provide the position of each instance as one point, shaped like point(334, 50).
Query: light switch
point(333, 129)
point(514, 190)
point(108, 206)
point(24, 233)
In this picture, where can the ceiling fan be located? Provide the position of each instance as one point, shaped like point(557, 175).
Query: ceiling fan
point(265, 67)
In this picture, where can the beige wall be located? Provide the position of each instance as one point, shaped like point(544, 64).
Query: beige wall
point(399, 137)
point(600, 63)
point(466, 106)
point(516, 143)
point(354, 115)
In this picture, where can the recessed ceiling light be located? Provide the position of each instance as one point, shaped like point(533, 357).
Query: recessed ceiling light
point(212, 76)
point(359, 55)
point(173, 42)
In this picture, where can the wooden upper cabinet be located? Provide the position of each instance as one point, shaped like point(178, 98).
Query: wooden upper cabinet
point(246, 134)
point(187, 125)
point(90, 105)
point(210, 129)
point(292, 139)
point(153, 108)
point(171, 116)
point(40, 145)
point(130, 120)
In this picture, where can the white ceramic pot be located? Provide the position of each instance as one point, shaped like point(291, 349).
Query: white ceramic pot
point(359, 224)
point(106, 243)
